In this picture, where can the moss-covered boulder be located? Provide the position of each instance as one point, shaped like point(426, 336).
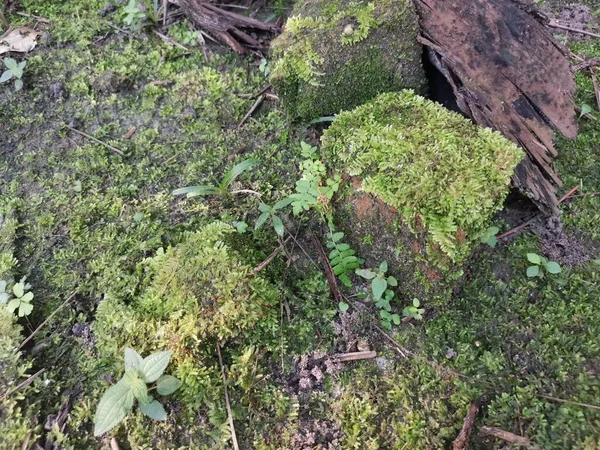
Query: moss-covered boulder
point(338, 54)
point(422, 185)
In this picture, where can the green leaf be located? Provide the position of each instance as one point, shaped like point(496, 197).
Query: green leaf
point(133, 360)
point(492, 241)
point(154, 365)
point(27, 297)
point(337, 236)
point(378, 286)
point(416, 302)
point(343, 306)
point(585, 109)
point(25, 309)
point(3, 298)
point(282, 203)
point(383, 267)
point(19, 289)
point(366, 273)
point(345, 279)
point(6, 75)
point(396, 319)
point(236, 171)
point(18, 85)
point(17, 72)
point(112, 408)
point(10, 63)
point(553, 267)
point(263, 207)
point(167, 384)
point(343, 247)
point(278, 225)
point(261, 220)
point(391, 281)
point(534, 258)
point(533, 271)
point(13, 305)
point(194, 191)
point(154, 410)
point(138, 217)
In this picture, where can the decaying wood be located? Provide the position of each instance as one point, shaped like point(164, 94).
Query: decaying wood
point(509, 74)
point(227, 25)
point(333, 286)
point(509, 437)
point(462, 440)
point(355, 356)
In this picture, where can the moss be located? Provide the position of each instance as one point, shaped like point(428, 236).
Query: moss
point(436, 168)
point(335, 55)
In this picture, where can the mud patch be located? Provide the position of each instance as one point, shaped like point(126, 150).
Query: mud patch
point(558, 246)
point(317, 434)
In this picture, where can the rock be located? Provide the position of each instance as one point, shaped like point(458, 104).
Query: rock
point(422, 184)
point(337, 54)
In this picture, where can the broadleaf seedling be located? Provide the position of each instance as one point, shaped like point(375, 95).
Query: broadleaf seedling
point(14, 71)
point(540, 265)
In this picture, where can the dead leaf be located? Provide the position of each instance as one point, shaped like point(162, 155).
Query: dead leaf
point(21, 40)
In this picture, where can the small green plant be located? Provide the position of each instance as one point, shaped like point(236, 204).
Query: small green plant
point(270, 212)
point(222, 189)
point(540, 264)
point(184, 35)
point(342, 258)
point(118, 400)
point(585, 109)
point(264, 67)
point(133, 15)
point(13, 70)
point(413, 310)
point(22, 298)
point(382, 295)
point(489, 237)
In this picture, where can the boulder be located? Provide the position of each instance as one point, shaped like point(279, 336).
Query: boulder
point(422, 184)
point(338, 54)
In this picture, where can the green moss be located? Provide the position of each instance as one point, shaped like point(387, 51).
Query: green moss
point(435, 167)
point(336, 55)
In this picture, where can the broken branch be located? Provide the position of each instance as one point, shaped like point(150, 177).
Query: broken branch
point(462, 440)
point(333, 286)
point(507, 436)
point(355, 356)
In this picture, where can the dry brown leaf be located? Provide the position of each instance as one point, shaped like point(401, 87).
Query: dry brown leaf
point(21, 40)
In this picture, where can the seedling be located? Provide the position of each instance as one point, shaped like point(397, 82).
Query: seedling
point(222, 189)
point(540, 264)
point(342, 258)
point(21, 300)
point(414, 311)
point(118, 400)
point(380, 292)
point(133, 15)
point(270, 212)
point(585, 109)
point(489, 237)
point(13, 70)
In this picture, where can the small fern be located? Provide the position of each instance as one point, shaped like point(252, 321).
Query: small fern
point(341, 257)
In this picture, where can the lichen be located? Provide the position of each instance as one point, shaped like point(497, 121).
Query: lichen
point(335, 55)
point(435, 167)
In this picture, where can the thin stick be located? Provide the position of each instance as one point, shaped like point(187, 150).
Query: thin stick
point(256, 104)
point(24, 384)
point(355, 356)
point(165, 7)
point(25, 445)
point(171, 41)
point(509, 437)
point(114, 445)
point(462, 440)
point(333, 286)
point(560, 400)
point(97, 141)
point(69, 298)
point(554, 24)
point(227, 405)
point(568, 194)
point(269, 259)
point(113, 26)
point(596, 88)
point(31, 16)
point(3, 19)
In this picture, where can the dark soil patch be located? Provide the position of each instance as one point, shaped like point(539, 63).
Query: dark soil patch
point(559, 247)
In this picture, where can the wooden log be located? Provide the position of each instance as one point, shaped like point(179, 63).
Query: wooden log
point(509, 74)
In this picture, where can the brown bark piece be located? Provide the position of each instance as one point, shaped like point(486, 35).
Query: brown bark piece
point(508, 74)
point(462, 440)
point(222, 23)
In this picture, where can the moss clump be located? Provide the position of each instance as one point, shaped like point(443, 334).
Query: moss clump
point(443, 174)
point(338, 54)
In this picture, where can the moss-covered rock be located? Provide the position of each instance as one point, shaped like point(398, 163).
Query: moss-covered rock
point(423, 183)
point(338, 54)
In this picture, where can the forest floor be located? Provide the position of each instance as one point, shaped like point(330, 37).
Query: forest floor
point(86, 214)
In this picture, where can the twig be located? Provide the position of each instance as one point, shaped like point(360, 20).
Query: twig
point(165, 7)
point(114, 445)
point(25, 444)
point(554, 24)
point(560, 400)
point(227, 405)
point(69, 298)
point(355, 356)
point(584, 64)
point(256, 104)
point(97, 141)
point(31, 16)
point(24, 384)
point(169, 40)
point(269, 259)
point(3, 19)
point(462, 440)
point(113, 26)
point(262, 91)
point(516, 229)
point(333, 286)
point(509, 437)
